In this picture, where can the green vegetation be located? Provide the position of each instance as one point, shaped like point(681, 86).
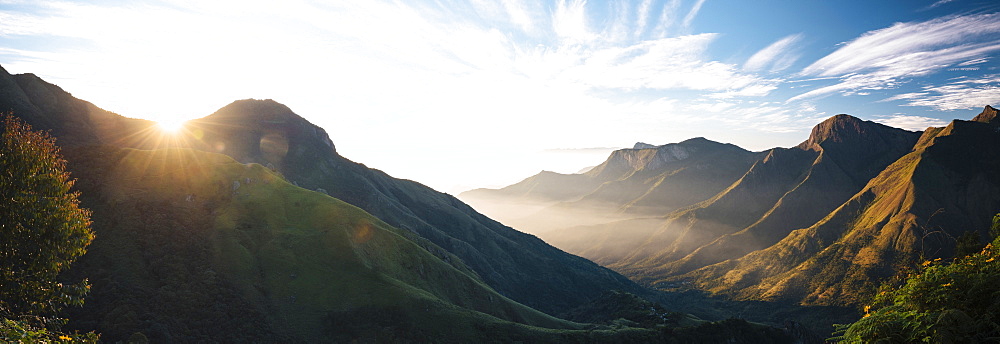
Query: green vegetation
point(43, 231)
point(945, 303)
point(187, 254)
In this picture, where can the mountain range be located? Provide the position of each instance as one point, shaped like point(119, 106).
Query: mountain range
point(249, 226)
point(821, 223)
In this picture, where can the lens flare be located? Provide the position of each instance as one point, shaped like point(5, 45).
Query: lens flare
point(171, 126)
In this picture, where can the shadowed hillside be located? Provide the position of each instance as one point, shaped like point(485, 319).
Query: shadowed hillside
point(192, 237)
point(194, 246)
point(515, 264)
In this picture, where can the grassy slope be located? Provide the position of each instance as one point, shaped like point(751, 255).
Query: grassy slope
point(911, 209)
point(306, 262)
point(184, 254)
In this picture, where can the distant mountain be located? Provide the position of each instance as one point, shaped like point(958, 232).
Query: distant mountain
point(748, 238)
point(786, 190)
point(637, 182)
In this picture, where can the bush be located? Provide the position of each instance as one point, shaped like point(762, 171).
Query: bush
point(945, 303)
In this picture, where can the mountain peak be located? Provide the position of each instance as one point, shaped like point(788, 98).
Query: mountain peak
point(643, 145)
point(697, 140)
point(260, 109)
point(989, 115)
point(839, 128)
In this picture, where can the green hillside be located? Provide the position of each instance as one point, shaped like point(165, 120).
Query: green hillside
point(517, 265)
point(304, 263)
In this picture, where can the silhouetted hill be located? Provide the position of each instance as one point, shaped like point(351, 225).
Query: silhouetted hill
point(515, 264)
point(198, 247)
point(198, 243)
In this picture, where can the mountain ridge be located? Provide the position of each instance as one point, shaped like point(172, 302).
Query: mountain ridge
point(517, 265)
point(739, 241)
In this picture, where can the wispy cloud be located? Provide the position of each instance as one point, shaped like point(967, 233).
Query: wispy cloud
point(915, 123)
point(692, 13)
point(668, 63)
point(775, 57)
point(962, 94)
point(642, 17)
point(880, 58)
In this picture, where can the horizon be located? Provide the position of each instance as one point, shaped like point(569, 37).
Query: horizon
point(494, 92)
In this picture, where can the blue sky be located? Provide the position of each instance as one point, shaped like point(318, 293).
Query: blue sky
point(463, 94)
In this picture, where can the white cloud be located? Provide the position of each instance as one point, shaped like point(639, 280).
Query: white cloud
point(943, 39)
point(778, 56)
point(428, 75)
point(692, 13)
point(668, 63)
point(882, 58)
point(520, 14)
point(570, 21)
point(963, 94)
point(643, 17)
point(668, 14)
point(914, 123)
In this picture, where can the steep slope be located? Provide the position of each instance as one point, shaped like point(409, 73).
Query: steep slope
point(195, 247)
point(914, 208)
point(515, 264)
point(190, 238)
point(787, 190)
point(640, 182)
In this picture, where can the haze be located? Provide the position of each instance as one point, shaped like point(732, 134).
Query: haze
point(461, 95)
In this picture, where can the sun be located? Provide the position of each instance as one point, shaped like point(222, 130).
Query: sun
point(170, 126)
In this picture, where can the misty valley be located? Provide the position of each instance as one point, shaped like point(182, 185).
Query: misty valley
point(247, 226)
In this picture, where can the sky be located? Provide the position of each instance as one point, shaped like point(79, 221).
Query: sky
point(466, 94)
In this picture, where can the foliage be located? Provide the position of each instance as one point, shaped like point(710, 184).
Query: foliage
point(21, 332)
point(945, 303)
point(995, 230)
point(626, 309)
point(968, 243)
point(42, 227)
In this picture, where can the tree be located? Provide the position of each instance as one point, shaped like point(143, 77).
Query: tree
point(42, 228)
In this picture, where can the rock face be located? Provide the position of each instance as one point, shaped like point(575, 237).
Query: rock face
point(989, 115)
point(643, 145)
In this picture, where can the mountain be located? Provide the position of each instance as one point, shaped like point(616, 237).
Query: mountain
point(630, 183)
point(515, 264)
point(207, 236)
point(786, 190)
point(198, 247)
point(821, 223)
point(913, 210)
